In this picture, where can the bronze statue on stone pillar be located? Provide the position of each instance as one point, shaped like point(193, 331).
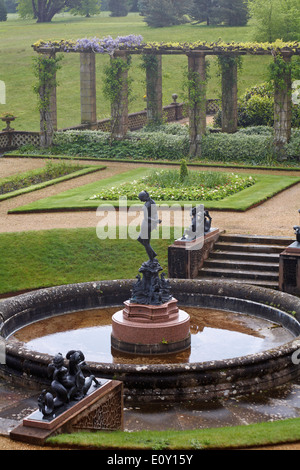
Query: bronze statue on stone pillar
point(149, 223)
point(152, 289)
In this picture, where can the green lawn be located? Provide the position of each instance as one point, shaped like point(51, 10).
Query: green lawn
point(266, 186)
point(31, 260)
point(16, 58)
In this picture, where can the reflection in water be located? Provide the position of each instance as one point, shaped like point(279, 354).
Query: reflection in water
point(216, 335)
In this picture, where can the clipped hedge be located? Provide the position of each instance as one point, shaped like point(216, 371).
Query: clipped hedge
point(138, 145)
point(237, 147)
point(252, 145)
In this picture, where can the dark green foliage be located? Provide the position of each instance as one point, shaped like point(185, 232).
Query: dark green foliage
point(256, 108)
point(118, 7)
point(183, 170)
point(3, 11)
point(203, 10)
point(227, 12)
point(160, 13)
point(233, 12)
point(11, 6)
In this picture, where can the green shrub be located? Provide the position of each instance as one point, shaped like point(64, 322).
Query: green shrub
point(257, 130)
point(259, 110)
point(256, 108)
point(293, 148)
point(137, 145)
point(239, 147)
point(183, 170)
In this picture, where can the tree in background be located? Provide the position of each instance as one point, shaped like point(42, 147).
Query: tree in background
point(44, 10)
point(118, 7)
point(3, 11)
point(87, 8)
point(133, 5)
point(234, 12)
point(275, 19)
point(160, 13)
point(227, 12)
point(11, 6)
point(204, 10)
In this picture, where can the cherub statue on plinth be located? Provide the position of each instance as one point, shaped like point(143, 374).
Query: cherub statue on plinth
point(67, 383)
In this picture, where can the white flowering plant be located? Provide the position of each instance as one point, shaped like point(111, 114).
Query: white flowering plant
point(198, 186)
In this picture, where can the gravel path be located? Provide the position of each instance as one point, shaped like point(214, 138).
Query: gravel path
point(275, 217)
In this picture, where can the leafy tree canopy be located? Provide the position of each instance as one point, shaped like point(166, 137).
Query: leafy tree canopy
point(276, 19)
point(227, 12)
point(44, 10)
point(159, 13)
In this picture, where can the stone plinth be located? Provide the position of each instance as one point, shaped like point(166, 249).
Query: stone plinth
point(151, 329)
point(154, 313)
point(186, 257)
point(100, 409)
point(289, 269)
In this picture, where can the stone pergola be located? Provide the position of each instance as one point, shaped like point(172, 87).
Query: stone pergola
point(196, 57)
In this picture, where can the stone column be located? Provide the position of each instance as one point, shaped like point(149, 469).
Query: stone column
point(197, 101)
point(88, 88)
point(283, 109)
point(48, 110)
point(229, 94)
point(154, 88)
point(119, 107)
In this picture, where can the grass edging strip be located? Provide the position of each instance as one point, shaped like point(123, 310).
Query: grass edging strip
point(35, 187)
point(230, 437)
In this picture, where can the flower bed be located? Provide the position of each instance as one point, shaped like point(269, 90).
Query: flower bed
point(182, 191)
point(51, 171)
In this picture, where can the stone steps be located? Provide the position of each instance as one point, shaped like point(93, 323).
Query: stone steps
point(246, 259)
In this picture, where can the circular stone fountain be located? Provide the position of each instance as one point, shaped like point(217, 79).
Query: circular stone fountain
point(165, 382)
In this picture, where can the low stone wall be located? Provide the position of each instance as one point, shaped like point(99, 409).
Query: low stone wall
point(172, 113)
point(13, 139)
point(168, 383)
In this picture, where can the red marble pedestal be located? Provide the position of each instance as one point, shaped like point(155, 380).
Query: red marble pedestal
point(151, 329)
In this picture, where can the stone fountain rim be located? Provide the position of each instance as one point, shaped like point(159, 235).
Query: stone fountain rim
point(219, 288)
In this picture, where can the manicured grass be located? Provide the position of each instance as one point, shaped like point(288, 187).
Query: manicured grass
point(30, 260)
point(214, 438)
point(84, 170)
point(266, 186)
point(16, 58)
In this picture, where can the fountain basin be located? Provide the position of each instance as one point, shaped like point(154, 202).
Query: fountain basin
point(169, 383)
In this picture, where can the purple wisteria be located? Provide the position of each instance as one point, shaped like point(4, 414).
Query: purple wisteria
point(107, 45)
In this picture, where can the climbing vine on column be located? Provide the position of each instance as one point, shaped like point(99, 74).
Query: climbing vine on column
point(113, 78)
point(194, 87)
point(45, 68)
point(115, 81)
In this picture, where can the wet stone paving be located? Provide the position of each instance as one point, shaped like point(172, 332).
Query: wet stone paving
point(17, 403)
